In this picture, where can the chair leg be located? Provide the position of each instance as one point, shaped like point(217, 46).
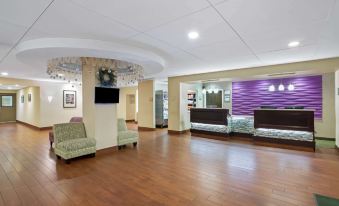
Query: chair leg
point(93, 155)
point(51, 143)
point(58, 157)
point(68, 161)
point(119, 147)
point(135, 144)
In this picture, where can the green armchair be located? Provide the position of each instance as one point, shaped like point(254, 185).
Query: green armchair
point(71, 141)
point(126, 136)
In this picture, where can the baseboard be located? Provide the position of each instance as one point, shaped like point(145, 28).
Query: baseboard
point(146, 129)
point(107, 150)
point(33, 126)
point(177, 132)
point(325, 138)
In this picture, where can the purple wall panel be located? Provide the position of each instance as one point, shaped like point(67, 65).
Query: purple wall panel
point(249, 95)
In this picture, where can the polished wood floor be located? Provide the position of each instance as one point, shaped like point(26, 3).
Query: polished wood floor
point(163, 170)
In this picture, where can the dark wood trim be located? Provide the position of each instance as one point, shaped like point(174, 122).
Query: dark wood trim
point(299, 143)
point(177, 132)
point(325, 138)
point(28, 125)
point(299, 120)
point(146, 129)
point(197, 132)
point(209, 116)
point(33, 126)
point(210, 136)
point(130, 120)
point(107, 150)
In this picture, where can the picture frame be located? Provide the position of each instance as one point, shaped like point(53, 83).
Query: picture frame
point(227, 96)
point(22, 99)
point(29, 97)
point(7, 101)
point(69, 99)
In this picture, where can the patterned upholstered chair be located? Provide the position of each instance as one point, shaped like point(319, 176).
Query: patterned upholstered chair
point(126, 136)
point(71, 141)
point(51, 134)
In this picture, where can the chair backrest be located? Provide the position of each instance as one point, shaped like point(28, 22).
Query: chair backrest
point(67, 131)
point(122, 125)
point(76, 119)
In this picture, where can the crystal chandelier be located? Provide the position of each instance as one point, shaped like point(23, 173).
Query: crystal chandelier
point(130, 76)
point(65, 68)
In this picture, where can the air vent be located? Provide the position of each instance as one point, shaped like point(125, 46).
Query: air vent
point(281, 74)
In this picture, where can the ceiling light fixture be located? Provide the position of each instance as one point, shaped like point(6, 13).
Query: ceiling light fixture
point(281, 87)
point(193, 35)
point(293, 44)
point(16, 85)
point(290, 87)
point(4, 74)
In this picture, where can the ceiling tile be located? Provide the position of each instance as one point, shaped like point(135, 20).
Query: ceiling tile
point(21, 12)
point(65, 19)
point(146, 14)
point(289, 55)
point(221, 51)
point(10, 33)
point(207, 23)
point(268, 25)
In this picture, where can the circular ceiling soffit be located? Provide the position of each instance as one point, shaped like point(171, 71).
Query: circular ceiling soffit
point(38, 51)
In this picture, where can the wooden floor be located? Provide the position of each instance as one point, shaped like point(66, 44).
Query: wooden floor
point(163, 170)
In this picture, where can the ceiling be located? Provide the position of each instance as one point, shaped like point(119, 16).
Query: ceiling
point(232, 33)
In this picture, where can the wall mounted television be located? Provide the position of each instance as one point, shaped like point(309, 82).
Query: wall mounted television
point(104, 95)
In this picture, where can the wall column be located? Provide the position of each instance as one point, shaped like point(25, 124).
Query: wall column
point(100, 119)
point(146, 105)
point(336, 105)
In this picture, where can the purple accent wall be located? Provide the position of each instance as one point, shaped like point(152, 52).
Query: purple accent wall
point(249, 95)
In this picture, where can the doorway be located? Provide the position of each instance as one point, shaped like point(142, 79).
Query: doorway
point(130, 107)
point(7, 107)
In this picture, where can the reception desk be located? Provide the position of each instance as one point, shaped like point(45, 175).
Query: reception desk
point(285, 126)
point(209, 121)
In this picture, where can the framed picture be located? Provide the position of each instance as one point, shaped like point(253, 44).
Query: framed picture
point(227, 96)
point(29, 97)
point(7, 101)
point(22, 98)
point(70, 99)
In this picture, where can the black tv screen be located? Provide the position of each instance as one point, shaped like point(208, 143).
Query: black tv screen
point(106, 95)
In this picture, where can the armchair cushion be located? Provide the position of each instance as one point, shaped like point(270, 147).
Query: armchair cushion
point(76, 144)
point(71, 141)
point(126, 136)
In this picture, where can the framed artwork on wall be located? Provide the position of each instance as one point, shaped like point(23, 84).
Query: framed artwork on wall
point(22, 98)
point(69, 99)
point(227, 96)
point(7, 101)
point(29, 97)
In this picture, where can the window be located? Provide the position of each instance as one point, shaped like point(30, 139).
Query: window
point(7, 101)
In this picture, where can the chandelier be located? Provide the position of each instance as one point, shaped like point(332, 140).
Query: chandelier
point(130, 76)
point(66, 69)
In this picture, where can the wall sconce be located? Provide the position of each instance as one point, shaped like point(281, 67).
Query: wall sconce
point(210, 91)
point(271, 88)
point(215, 91)
point(290, 87)
point(49, 99)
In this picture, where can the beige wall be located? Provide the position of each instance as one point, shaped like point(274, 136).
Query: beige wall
point(122, 101)
point(146, 108)
point(49, 113)
point(336, 93)
point(29, 112)
point(326, 126)
point(304, 68)
point(100, 119)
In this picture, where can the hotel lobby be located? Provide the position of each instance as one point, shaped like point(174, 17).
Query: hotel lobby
point(194, 102)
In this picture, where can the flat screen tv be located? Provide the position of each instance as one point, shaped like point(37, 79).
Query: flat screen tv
point(105, 95)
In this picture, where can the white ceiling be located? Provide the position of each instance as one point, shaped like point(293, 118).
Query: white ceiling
point(233, 33)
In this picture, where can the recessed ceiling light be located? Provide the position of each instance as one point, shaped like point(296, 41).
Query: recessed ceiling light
point(293, 44)
point(4, 73)
point(9, 87)
point(16, 85)
point(193, 35)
